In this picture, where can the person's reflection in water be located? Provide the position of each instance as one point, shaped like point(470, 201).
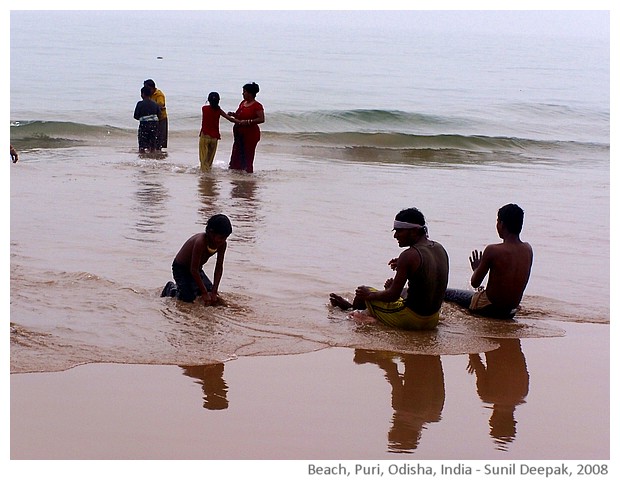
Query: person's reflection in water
point(150, 195)
point(244, 190)
point(213, 385)
point(504, 383)
point(245, 213)
point(418, 394)
point(208, 191)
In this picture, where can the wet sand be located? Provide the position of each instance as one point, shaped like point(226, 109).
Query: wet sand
point(541, 399)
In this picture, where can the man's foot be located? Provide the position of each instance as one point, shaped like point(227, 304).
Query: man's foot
point(170, 290)
point(338, 301)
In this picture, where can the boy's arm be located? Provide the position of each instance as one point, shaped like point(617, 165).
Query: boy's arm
point(483, 267)
point(228, 117)
point(219, 269)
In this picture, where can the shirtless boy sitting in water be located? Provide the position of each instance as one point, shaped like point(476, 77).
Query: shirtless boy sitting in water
point(508, 264)
point(191, 280)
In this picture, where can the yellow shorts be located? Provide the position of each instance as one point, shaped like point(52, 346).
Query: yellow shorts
point(396, 314)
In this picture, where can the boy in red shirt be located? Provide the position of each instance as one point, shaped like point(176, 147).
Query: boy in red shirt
point(210, 130)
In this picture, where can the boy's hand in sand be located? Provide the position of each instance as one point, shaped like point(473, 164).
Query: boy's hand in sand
point(206, 298)
point(212, 299)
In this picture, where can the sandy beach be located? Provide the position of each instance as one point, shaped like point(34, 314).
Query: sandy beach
point(333, 404)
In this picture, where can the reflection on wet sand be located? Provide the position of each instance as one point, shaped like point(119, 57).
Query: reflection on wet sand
point(214, 387)
point(502, 383)
point(418, 391)
point(418, 394)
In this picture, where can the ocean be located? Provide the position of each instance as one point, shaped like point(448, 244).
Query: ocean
point(366, 113)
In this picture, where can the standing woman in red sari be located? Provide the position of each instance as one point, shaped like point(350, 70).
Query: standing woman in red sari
point(246, 133)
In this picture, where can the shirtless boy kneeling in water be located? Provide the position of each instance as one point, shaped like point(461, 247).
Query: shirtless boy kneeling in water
point(191, 280)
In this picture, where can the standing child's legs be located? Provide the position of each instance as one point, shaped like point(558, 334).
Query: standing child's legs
point(207, 149)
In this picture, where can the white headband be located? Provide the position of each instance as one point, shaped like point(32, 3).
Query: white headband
point(399, 224)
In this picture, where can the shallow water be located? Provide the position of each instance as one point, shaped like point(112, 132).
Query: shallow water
point(87, 268)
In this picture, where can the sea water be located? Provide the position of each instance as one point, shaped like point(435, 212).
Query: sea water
point(366, 113)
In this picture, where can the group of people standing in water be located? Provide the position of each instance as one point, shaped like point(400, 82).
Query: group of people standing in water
point(246, 132)
point(153, 118)
point(153, 128)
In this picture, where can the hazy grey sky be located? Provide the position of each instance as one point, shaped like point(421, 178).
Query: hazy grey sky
point(576, 21)
point(589, 23)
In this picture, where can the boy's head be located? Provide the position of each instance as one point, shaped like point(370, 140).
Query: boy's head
point(219, 225)
point(146, 92)
point(511, 216)
point(214, 99)
point(149, 83)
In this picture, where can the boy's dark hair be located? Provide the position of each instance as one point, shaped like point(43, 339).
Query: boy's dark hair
point(146, 91)
point(214, 99)
point(219, 224)
point(251, 88)
point(149, 83)
point(511, 216)
point(411, 215)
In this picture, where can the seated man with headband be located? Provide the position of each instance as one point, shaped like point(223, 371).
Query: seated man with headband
point(424, 265)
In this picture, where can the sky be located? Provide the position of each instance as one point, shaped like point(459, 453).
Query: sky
point(593, 19)
point(590, 23)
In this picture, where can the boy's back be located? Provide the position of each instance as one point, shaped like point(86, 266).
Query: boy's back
point(145, 108)
point(509, 264)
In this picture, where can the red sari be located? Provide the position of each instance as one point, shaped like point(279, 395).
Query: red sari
point(246, 137)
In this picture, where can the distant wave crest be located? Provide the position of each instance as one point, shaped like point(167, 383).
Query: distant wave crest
point(348, 134)
point(33, 134)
